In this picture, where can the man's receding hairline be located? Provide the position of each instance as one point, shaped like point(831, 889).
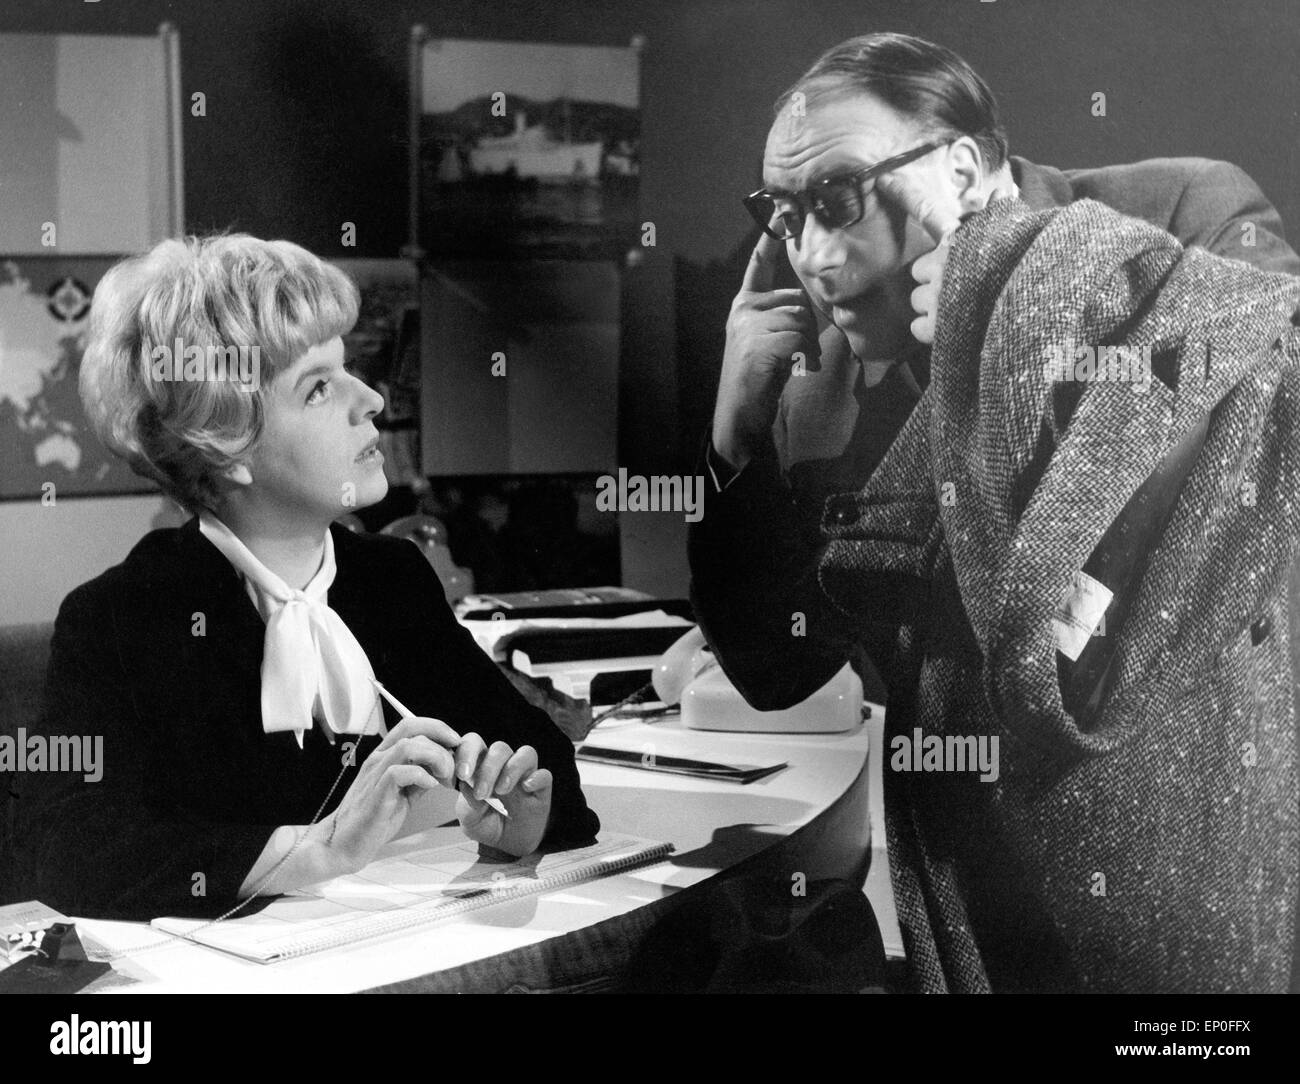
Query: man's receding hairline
point(840, 90)
point(828, 85)
point(845, 92)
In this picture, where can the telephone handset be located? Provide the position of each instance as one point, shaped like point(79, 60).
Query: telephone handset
point(690, 675)
point(681, 664)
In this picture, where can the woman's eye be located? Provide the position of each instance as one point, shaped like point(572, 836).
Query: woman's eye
point(317, 391)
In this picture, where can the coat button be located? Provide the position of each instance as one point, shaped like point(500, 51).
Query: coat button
point(1260, 629)
point(842, 510)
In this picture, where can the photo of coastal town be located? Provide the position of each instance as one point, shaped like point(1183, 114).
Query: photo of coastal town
point(528, 150)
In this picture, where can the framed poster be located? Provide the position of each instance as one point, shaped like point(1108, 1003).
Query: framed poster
point(528, 149)
point(91, 131)
point(44, 436)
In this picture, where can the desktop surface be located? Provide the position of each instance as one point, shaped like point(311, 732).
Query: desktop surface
point(811, 818)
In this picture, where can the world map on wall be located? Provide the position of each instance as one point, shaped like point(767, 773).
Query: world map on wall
point(44, 437)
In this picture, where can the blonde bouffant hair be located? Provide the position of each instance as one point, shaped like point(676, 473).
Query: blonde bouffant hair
point(223, 294)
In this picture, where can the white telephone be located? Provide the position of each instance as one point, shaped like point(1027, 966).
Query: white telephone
point(688, 674)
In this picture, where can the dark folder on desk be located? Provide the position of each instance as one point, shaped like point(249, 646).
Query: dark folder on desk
point(595, 602)
point(704, 769)
point(539, 647)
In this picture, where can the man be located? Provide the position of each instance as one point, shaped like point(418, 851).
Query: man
point(875, 155)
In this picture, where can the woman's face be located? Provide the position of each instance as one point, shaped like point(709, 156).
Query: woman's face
point(318, 456)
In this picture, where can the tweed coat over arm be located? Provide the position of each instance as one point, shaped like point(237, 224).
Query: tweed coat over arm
point(1155, 847)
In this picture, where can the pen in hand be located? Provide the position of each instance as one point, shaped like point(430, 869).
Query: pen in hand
point(407, 713)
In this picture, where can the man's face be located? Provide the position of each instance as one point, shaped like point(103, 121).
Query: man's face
point(312, 460)
point(860, 275)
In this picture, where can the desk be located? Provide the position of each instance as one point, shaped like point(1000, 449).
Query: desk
point(812, 818)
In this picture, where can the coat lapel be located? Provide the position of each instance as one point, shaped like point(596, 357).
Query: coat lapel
point(1230, 367)
point(1118, 435)
point(1021, 514)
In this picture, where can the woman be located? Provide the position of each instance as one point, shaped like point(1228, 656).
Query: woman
point(228, 664)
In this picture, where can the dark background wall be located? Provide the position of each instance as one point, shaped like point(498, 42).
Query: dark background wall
point(306, 101)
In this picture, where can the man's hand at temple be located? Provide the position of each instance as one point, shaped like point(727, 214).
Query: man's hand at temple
point(901, 188)
point(769, 332)
point(940, 223)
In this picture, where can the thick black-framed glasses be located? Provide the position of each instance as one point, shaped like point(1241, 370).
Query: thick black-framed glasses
point(836, 202)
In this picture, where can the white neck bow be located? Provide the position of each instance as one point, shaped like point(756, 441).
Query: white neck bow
point(309, 657)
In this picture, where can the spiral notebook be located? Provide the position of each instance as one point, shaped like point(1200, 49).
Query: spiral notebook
point(414, 885)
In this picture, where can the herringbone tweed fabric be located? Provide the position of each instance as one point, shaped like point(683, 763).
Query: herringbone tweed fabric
point(1155, 850)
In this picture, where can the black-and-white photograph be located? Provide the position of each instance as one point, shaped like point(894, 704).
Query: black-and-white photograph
point(527, 148)
point(678, 497)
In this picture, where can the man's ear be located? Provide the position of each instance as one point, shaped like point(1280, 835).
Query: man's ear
point(966, 169)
